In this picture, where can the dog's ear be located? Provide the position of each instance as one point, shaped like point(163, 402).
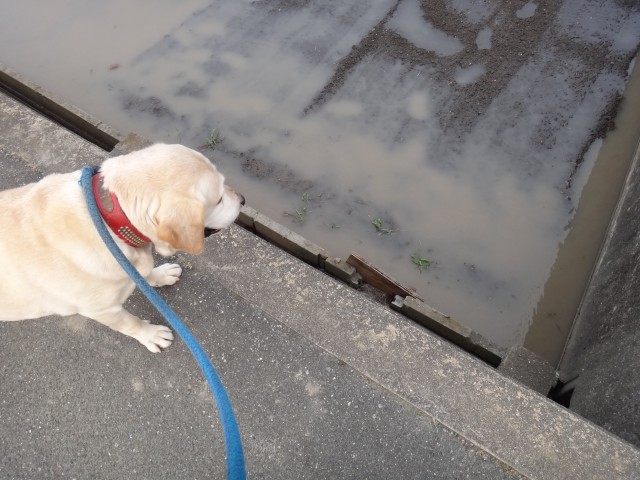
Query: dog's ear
point(181, 225)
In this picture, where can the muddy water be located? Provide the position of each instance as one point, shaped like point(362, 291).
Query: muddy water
point(608, 164)
point(462, 130)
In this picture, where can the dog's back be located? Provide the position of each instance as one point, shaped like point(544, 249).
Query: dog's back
point(45, 249)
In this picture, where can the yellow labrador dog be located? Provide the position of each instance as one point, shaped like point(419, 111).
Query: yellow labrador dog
point(54, 261)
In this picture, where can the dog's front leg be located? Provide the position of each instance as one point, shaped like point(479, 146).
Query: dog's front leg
point(165, 274)
point(154, 337)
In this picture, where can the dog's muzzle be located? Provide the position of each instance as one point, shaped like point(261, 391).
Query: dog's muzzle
point(210, 231)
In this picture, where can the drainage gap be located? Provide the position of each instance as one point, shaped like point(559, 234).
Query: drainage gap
point(563, 391)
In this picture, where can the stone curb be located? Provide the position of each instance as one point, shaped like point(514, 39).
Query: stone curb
point(411, 307)
point(529, 369)
point(449, 329)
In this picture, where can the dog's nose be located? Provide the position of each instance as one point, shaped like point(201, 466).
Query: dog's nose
point(241, 199)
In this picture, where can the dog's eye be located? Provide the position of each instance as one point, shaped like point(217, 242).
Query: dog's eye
point(220, 201)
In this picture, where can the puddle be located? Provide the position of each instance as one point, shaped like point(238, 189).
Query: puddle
point(461, 131)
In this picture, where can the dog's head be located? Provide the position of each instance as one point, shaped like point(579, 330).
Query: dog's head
point(174, 195)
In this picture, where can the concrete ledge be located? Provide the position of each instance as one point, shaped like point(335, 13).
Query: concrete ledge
point(449, 329)
point(413, 308)
point(290, 241)
point(339, 268)
point(529, 369)
point(245, 219)
point(56, 109)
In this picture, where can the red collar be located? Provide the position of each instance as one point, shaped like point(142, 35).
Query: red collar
point(113, 215)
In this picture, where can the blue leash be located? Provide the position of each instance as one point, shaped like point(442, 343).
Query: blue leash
point(235, 456)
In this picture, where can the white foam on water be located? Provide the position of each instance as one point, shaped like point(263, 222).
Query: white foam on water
point(483, 40)
point(469, 75)
point(528, 10)
point(409, 21)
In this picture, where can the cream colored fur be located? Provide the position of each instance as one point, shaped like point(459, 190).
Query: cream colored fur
point(54, 262)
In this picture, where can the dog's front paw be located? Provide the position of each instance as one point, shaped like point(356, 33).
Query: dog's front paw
point(154, 337)
point(165, 274)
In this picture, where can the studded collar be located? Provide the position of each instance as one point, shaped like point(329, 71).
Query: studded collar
point(114, 216)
